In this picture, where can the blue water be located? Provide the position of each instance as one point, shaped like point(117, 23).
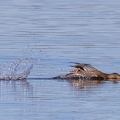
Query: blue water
point(51, 34)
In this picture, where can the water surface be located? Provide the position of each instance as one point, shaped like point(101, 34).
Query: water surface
point(51, 34)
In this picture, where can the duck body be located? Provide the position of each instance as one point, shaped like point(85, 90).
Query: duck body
point(86, 71)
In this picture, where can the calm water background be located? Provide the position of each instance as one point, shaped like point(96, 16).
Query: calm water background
point(53, 33)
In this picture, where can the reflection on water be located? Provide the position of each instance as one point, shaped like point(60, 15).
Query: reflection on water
point(55, 99)
point(15, 90)
point(85, 83)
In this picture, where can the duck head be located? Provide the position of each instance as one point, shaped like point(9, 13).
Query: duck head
point(113, 76)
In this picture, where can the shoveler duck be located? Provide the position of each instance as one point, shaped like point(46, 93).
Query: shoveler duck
point(86, 71)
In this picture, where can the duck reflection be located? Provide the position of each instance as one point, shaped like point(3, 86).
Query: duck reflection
point(15, 90)
point(84, 83)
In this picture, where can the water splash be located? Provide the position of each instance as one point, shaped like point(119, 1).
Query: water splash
point(15, 70)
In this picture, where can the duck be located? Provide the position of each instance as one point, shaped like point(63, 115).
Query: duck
point(87, 71)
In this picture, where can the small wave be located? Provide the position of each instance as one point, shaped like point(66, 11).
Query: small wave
point(15, 70)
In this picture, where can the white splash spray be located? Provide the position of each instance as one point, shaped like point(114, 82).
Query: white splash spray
point(15, 70)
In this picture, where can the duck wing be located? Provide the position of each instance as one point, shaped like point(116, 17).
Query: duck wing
point(86, 67)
